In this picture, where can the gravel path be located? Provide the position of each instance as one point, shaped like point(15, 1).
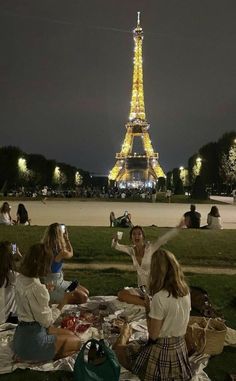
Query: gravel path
point(96, 213)
point(126, 267)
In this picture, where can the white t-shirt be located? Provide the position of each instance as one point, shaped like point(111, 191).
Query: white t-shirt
point(32, 300)
point(173, 311)
point(5, 219)
point(214, 222)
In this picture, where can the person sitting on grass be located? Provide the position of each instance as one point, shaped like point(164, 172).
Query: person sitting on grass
point(7, 283)
point(22, 215)
point(164, 356)
point(141, 253)
point(5, 214)
point(56, 241)
point(122, 221)
point(192, 218)
point(35, 338)
point(213, 219)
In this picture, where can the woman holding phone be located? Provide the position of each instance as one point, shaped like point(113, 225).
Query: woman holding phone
point(35, 338)
point(56, 241)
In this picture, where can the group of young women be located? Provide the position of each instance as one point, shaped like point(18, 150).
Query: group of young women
point(162, 290)
point(21, 215)
point(36, 293)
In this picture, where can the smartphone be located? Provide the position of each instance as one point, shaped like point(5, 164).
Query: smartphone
point(143, 290)
point(13, 247)
point(63, 228)
point(72, 286)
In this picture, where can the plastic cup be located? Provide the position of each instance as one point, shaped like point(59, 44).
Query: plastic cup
point(119, 235)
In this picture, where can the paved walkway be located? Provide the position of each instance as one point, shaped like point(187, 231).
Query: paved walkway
point(96, 213)
point(127, 267)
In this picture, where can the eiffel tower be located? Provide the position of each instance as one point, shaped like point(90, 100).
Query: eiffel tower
point(137, 164)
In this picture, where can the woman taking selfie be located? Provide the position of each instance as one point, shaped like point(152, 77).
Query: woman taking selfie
point(164, 356)
point(35, 339)
point(56, 241)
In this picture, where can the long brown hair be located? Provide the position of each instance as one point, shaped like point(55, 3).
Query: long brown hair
point(166, 274)
point(7, 263)
point(53, 238)
point(214, 211)
point(36, 262)
point(5, 208)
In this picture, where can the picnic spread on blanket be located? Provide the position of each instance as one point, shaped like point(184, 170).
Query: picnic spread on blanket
point(101, 316)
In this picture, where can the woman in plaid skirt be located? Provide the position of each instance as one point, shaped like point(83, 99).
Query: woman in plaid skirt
point(164, 356)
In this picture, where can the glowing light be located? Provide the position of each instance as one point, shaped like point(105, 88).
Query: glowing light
point(57, 174)
point(22, 165)
point(78, 178)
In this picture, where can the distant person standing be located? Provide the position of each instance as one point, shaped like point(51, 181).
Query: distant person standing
point(234, 195)
point(168, 195)
point(154, 195)
point(192, 218)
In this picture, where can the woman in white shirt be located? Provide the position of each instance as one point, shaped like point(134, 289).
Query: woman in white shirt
point(5, 214)
point(214, 219)
point(141, 253)
point(164, 356)
point(35, 339)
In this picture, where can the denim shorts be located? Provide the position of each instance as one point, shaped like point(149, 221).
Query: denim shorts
point(31, 342)
point(60, 285)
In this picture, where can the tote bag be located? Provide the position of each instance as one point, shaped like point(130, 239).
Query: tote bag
point(205, 335)
point(96, 362)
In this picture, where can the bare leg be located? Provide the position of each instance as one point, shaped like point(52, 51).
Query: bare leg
point(126, 296)
point(67, 343)
point(79, 295)
point(120, 346)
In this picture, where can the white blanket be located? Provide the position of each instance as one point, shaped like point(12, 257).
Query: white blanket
point(134, 314)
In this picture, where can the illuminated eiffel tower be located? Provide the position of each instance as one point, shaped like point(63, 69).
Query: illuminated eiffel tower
point(137, 164)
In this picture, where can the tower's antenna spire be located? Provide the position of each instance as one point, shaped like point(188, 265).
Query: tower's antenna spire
point(138, 19)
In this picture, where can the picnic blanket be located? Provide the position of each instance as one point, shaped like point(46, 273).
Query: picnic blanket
point(135, 315)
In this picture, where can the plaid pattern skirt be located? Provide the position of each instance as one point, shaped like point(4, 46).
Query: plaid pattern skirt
point(165, 360)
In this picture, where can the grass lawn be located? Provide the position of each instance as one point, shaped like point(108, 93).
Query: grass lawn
point(93, 244)
point(192, 247)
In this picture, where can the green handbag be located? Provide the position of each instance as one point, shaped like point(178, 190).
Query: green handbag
point(96, 362)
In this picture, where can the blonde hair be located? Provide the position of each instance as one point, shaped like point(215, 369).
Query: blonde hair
point(166, 274)
point(53, 238)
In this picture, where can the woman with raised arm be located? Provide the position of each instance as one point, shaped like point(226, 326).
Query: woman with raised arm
point(35, 338)
point(56, 241)
point(141, 253)
point(164, 356)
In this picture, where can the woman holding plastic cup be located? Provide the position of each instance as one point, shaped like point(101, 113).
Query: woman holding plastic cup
point(141, 253)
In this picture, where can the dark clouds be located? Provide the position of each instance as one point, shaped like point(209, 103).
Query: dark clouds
point(66, 76)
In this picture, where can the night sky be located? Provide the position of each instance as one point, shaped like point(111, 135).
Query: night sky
point(66, 76)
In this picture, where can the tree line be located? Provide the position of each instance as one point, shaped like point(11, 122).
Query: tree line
point(211, 170)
